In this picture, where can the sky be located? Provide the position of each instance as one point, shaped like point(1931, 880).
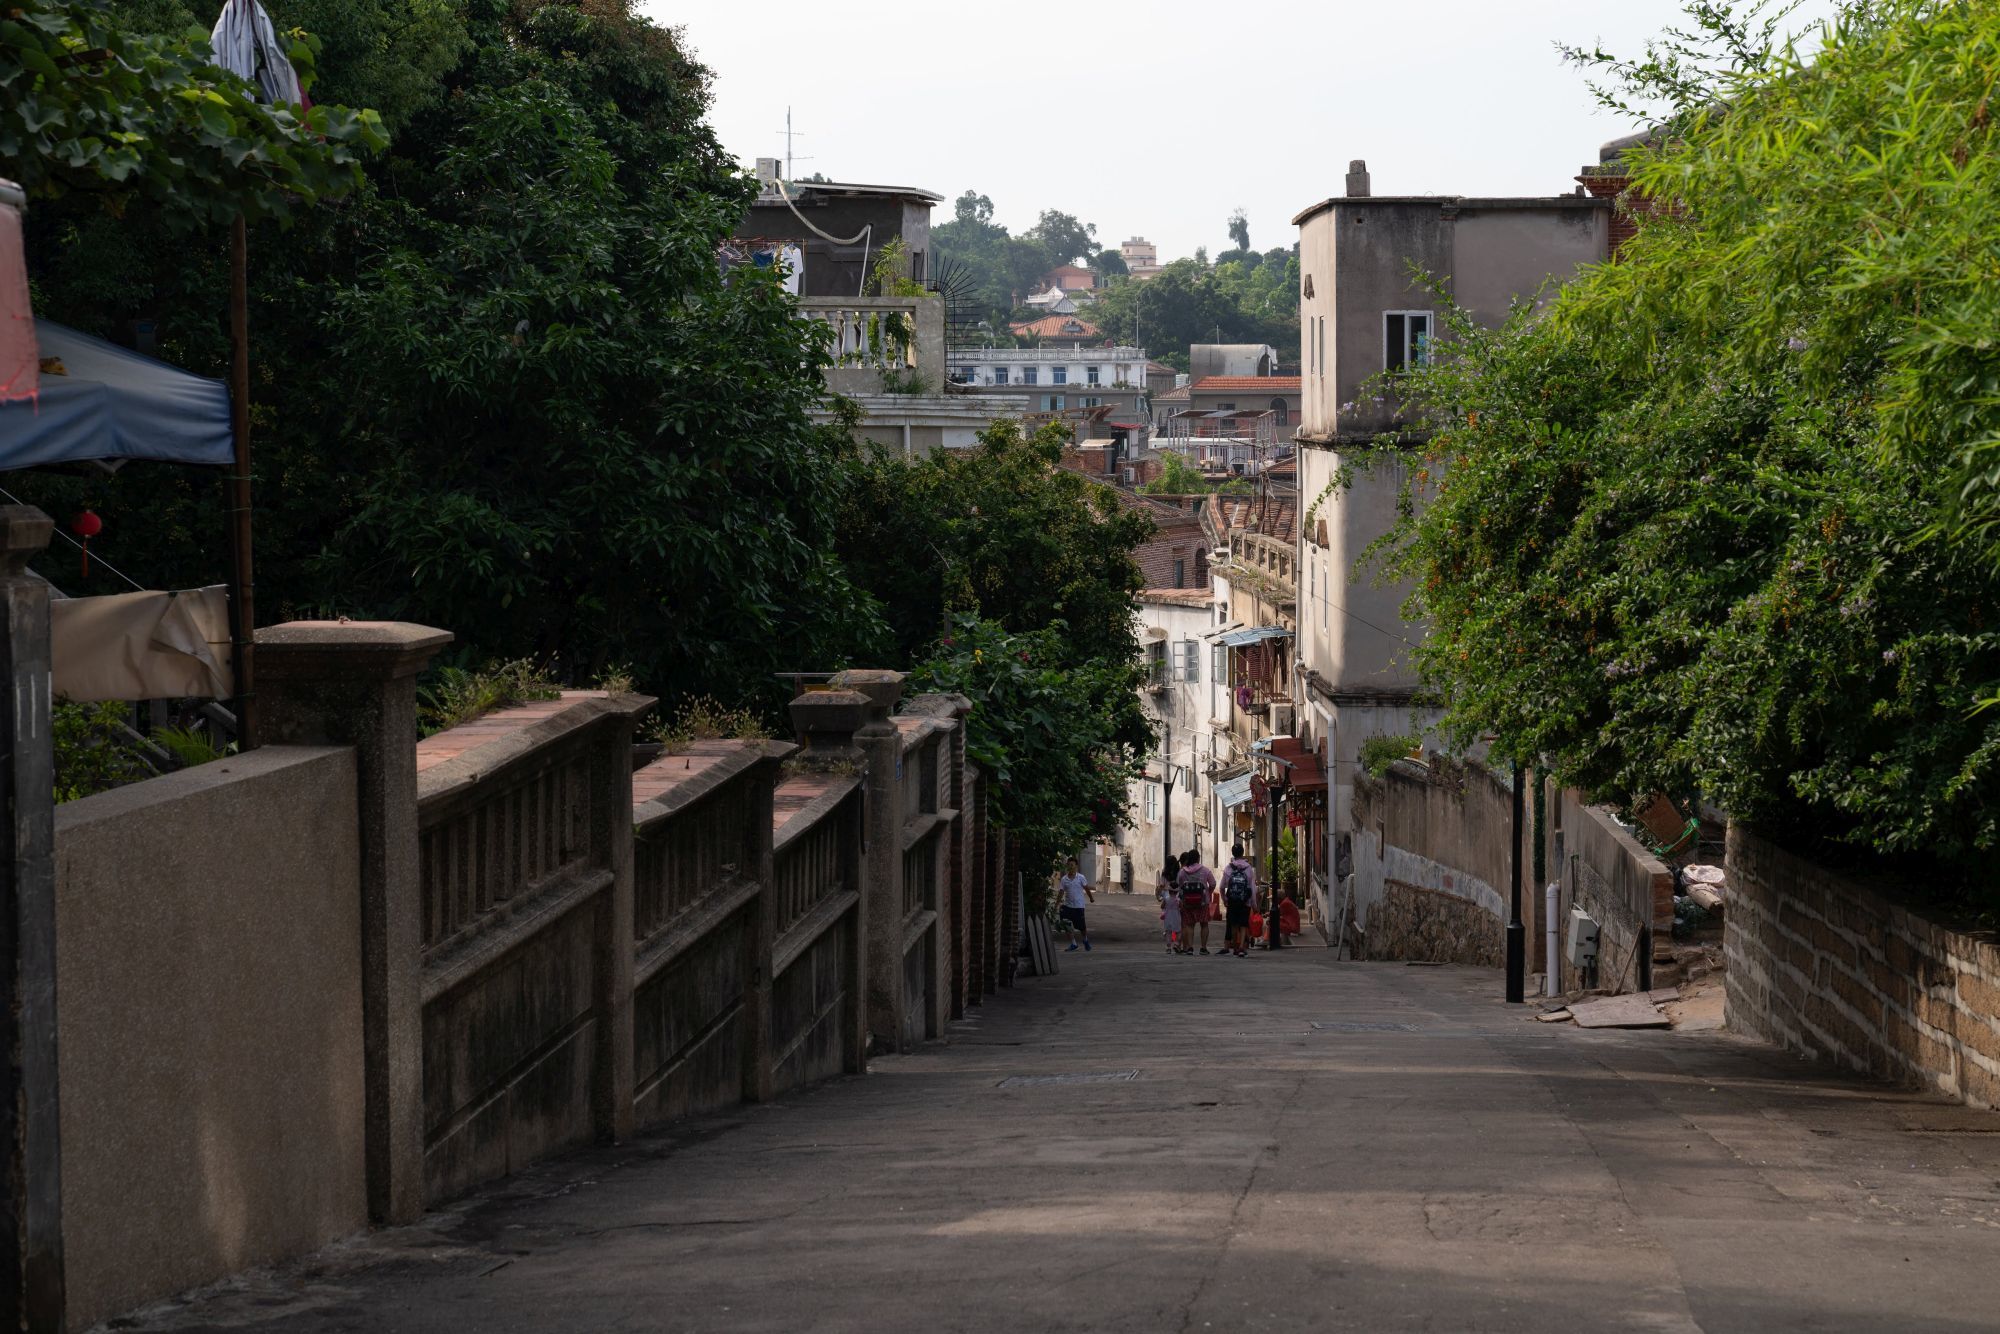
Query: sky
point(1157, 119)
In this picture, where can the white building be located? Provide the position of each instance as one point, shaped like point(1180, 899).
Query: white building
point(1073, 370)
point(1172, 805)
point(1363, 313)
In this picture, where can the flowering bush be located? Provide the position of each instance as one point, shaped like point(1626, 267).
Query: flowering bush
point(1700, 528)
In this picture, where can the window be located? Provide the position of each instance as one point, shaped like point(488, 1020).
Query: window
point(999, 375)
point(1191, 656)
point(1090, 374)
point(1031, 374)
point(1406, 336)
point(1150, 802)
point(1093, 402)
point(1321, 321)
point(1225, 407)
point(1058, 375)
point(1180, 573)
point(1052, 402)
point(1156, 662)
point(1284, 413)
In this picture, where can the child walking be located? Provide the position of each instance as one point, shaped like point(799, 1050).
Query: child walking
point(1169, 895)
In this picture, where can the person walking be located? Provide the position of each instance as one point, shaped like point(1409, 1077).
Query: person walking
point(1197, 885)
point(1169, 894)
point(1075, 895)
point(1239, 891)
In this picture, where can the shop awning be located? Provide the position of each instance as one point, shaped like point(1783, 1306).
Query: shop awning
point(1235, 791)
point(99, 401)
point(1242, 638)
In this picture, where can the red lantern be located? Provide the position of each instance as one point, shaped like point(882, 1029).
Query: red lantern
point(86, 526)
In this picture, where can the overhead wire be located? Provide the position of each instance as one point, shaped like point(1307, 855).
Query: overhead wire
point(136, 586)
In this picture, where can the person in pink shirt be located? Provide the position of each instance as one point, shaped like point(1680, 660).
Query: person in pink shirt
point(1197, 887)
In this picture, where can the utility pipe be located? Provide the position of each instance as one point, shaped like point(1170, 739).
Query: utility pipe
point(1552, 901)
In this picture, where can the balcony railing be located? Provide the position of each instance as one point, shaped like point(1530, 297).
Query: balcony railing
point(869, 334)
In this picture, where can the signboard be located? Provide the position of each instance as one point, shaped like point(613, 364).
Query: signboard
point(1295, 817)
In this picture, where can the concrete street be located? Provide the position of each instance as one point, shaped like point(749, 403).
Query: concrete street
point(1269, 1143)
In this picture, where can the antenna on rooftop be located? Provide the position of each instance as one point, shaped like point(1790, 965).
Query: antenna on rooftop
point(790, 134)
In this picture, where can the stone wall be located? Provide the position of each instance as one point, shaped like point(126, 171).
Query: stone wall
point(210, 1031)
point(1829, 968)
point(1432, 864)
point(1626, 890)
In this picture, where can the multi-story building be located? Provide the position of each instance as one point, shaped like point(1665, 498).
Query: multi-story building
point(1142, 257)
point(1171, 801)
point(830, 232)
point(1072, 279)
point(1045, 379)
point(1362, 318)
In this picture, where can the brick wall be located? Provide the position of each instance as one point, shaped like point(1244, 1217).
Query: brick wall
point(1826, 967)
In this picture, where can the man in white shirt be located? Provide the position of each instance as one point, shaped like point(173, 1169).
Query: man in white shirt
point(1075, 895)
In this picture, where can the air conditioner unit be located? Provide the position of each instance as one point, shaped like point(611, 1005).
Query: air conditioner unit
point(1581, 950)
point(1281, 719)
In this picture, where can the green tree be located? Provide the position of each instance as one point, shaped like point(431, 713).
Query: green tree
point(506, 389)
point(120, 118)
point(1685, 532)
point(1059, 739)
point(1063, 238)
point(1239, 229)
point(1000, 531)
point(1107, 264)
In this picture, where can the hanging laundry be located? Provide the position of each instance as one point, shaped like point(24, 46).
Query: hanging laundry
point(20, 353)
point(792, 260)
point(246, 44)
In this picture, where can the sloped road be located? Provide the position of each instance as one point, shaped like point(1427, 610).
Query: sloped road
point(1151, 1143)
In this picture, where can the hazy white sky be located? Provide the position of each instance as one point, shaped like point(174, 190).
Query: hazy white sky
point(1156, 119)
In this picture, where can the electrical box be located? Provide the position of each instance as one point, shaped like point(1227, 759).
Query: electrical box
point(1582, 951)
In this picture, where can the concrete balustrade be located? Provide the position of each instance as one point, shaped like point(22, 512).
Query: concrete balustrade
point(511, 943)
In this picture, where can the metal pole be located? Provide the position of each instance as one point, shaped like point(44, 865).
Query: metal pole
point(31, 1292)
point(242, 614)
point(1517, 934)
point(1272, 940)
point(1167, 791)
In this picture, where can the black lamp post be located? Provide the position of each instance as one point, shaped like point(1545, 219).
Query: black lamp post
point(1517, 934)
point(1167, 794)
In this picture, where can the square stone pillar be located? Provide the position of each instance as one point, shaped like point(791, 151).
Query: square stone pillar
point(853, 717)
point(353, 683)
point(31, 1293)
point(833, 727)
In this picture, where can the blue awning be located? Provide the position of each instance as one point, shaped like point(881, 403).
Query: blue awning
point(110, 403)
point(1234, 792)
point(1240, 638)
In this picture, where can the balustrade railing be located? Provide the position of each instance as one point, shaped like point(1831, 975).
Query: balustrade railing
point(680, 860)
point(506, 840)
point(878, 334)
point(811, 869)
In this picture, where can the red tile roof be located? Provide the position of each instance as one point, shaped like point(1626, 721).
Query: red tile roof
point(1051, 326)
point(1242, 384)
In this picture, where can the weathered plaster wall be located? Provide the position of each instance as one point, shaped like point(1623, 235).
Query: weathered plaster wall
point(209, 984)
point(1625, 889)
point(1431, 864)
